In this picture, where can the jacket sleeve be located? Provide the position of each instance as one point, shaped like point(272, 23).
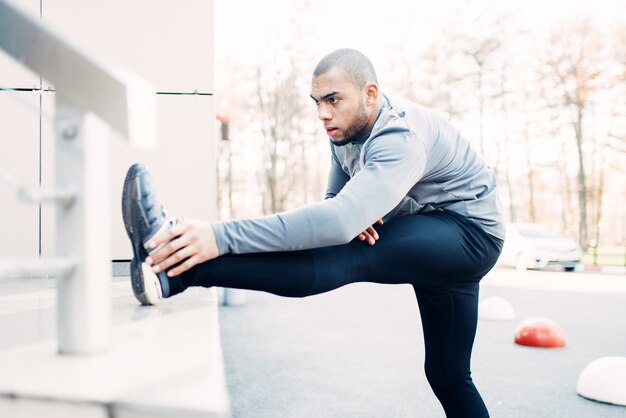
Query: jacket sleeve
point(394, 161)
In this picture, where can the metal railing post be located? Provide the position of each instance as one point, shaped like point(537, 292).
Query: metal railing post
point(91, 96)
point(83, 161)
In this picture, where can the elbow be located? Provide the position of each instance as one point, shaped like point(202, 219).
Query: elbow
point(340, 224)
point(344, 235)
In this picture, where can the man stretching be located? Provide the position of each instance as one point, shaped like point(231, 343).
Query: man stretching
point(395, 165)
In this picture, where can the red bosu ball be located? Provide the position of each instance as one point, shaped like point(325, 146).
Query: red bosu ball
point(540, 332)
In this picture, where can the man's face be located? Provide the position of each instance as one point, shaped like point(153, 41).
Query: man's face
point(340, 106)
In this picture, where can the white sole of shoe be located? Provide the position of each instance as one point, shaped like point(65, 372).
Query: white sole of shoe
point(151, 284)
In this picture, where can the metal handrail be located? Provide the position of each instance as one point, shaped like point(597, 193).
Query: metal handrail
point(120, 98)
point(91, 95)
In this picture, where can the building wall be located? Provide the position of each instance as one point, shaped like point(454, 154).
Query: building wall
point(170, 44)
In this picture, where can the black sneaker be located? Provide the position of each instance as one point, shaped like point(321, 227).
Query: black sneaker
point(144, 217)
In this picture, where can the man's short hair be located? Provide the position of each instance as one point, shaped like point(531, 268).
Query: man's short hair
point(356, 65)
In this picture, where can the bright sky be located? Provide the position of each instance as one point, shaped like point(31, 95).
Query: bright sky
point(248, 30)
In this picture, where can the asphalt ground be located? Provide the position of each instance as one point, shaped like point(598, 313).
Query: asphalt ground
point(358, 351)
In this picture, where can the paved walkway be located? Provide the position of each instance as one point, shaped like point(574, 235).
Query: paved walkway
point(358, 351)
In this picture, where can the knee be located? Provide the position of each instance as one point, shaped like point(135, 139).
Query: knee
point(446, 381)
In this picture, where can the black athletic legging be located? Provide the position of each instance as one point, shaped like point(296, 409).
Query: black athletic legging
point(442, 254)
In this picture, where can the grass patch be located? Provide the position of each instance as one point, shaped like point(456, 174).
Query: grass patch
point(606, 256)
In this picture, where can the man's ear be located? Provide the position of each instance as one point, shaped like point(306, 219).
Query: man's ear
point(371, 93)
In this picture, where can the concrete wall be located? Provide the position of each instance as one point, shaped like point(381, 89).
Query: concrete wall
point(167, 42)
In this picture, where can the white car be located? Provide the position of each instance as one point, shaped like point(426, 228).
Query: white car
point(533, 246)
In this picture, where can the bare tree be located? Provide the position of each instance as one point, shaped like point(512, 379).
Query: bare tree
point(532, 215)
point(573, 66)
point(431, 77)
point(482, 51)
point(280, 107)
point(617, 132)
point(230, 105)
point(278, 111)
point(514, 114)
point(610, 145)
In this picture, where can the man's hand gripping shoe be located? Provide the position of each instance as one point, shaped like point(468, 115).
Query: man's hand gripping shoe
point(143, 217)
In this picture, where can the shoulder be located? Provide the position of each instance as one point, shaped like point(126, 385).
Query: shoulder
point(395, 142)
point(399, 115)
point(392, 131)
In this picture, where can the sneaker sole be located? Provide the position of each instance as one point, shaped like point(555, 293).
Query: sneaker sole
point(130, 213)
point(147, 281)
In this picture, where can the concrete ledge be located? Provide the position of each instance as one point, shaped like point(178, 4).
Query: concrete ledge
point(165, 360)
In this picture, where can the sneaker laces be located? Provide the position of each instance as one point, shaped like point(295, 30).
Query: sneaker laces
point(171, 220)
point(153, 215)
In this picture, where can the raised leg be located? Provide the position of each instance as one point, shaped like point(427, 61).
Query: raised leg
point(436, 248)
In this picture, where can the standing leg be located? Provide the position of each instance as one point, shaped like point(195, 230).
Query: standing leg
point(449, 316)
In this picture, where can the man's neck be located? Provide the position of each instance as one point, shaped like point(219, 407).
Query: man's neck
point(370, 124)
point(374, 116)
